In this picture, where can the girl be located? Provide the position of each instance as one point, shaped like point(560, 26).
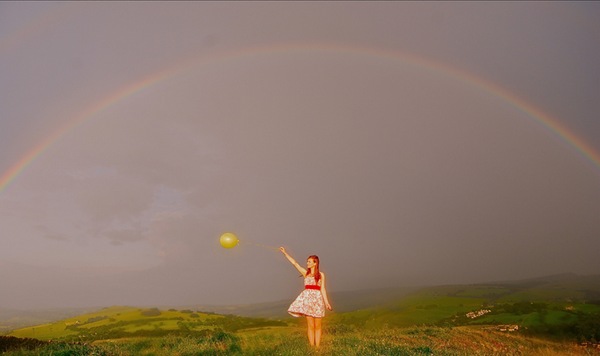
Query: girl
point(313, 300)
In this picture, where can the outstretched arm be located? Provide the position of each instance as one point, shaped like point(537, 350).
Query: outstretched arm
point(293, 261)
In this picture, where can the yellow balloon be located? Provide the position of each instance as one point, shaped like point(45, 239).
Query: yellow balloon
point(229, 240)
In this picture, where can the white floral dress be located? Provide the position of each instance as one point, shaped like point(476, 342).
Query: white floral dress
point(309, 302)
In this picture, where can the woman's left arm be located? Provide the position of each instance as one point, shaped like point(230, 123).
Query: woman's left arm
point(324, 292)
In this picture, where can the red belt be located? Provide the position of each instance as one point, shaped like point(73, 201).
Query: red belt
point(310, 286)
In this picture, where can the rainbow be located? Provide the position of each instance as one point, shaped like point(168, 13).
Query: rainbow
point(545, 120)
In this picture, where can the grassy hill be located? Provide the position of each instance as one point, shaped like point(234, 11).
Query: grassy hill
point(11, 319)
point(337, 340)
point(345, 301)
point(562, 287)
point(562, 306)
point(124, 322)
point(550, 315)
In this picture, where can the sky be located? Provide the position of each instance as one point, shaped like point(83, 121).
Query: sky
point(405, 143)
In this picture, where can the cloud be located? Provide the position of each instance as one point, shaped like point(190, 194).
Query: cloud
point(392, 172)
point(121, 236)
point(115, 198)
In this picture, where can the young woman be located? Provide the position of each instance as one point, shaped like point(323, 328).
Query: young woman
point(313, 300)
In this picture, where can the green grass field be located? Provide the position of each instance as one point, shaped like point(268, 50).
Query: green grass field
point(423, 340)
point(430, 321)
point(115, 322)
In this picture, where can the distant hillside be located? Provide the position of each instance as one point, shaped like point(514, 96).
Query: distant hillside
point(11, 319)
point(561, 306)
point(343, 301)
point(562, 288)
point(122, 322)
point(548, 288)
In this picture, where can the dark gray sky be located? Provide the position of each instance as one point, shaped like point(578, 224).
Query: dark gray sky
point(404, 143)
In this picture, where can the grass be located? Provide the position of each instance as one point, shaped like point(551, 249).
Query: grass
point(117, 322)
point(432, 321)
point(45, 332)
point(416, 309)
point(483, 292)
point(291, 341)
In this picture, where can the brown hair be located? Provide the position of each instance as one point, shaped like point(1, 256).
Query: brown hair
point(316, 272)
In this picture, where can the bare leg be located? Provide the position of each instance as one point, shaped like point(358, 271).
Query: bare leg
point(317, 332)
point(311, 330)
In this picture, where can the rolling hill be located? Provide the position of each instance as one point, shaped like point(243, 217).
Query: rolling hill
point(554, 288)
point(124, 321)
point(561, 306)
point(345, 301)
point(565, 305)
point(11, 319)
point(557, 315)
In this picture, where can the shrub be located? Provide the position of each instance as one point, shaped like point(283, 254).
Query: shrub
point(95, 319)
point(151, 312)
point(14, 343)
